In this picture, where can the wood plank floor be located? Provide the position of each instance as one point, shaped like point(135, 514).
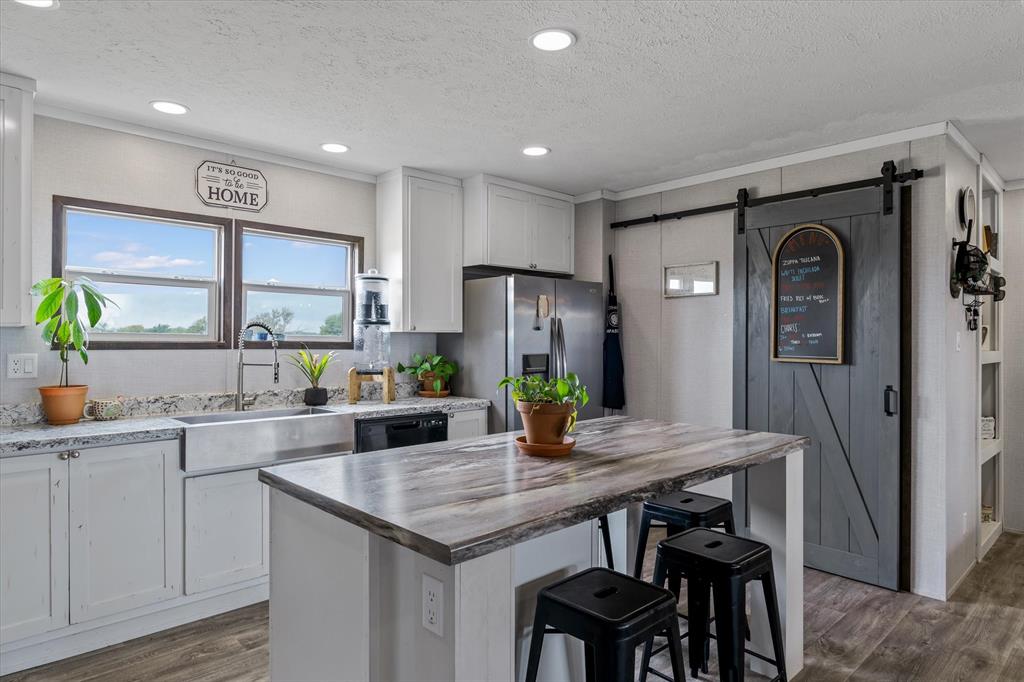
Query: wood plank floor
point(853, 632)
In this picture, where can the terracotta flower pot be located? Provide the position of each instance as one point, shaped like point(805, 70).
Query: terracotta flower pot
point(545, 423)
point(63, 404)
point(427, 386)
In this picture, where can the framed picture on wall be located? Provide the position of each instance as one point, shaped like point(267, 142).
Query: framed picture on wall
point(694, 279)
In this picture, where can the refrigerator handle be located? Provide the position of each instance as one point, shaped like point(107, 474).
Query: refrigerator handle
point(561, 350)
point(555, 363)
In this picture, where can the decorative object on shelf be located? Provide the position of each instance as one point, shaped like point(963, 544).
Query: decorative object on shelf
point(65, 330)
point(104, 410)
point(312, 367)
point(229, 186)
point(970, 275)
point(990, 241)
point(808, 286)
point(693, 279)
point(988, 428)
point(386, 377)
point(986, 337)
point(966, 208)
point(547, 406)
point(987, 513)
point(434, 373)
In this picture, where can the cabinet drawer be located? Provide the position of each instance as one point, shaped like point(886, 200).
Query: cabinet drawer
point(227, 524)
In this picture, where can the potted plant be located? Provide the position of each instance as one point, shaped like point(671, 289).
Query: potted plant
point(63, 327)
point(433, 372)
point(312, 367)
point(547, 406)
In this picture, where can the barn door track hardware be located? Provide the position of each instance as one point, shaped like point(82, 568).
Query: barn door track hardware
point(970, 277)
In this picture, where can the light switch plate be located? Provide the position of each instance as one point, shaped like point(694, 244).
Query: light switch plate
point(433, 605)
point(22, 365)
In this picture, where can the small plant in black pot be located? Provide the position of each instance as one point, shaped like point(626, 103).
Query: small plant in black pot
point(312, 367)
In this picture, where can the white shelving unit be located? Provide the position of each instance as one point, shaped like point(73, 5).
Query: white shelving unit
point(990, 375)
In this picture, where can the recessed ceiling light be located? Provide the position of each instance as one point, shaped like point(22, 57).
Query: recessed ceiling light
point(536, 151)
point(172, 108)
point(40, 4)
point(552, 39)
point(334, 147)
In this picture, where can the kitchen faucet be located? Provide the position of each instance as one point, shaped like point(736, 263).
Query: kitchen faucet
point(240, 402)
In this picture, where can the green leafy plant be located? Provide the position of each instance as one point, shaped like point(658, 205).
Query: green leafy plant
point(420, 365)
point(61, 317)
point(312, 366)
point(536, 389)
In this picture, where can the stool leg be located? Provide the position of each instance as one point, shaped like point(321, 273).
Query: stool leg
point(675, 651)
point(536, 642)
point(615, 662)
point(730, 605)
point(730, 526)
point(774, 623)
point(606, 535)
point(641, 545)
point(591, 663)
point(659, 580)
point(698, 603)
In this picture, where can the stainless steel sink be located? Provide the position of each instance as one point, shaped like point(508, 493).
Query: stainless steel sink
point(243, 440)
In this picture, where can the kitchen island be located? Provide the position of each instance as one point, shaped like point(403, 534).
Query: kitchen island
point(356, 540)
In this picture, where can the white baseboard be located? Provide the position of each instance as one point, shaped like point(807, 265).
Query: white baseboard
point(102, 632)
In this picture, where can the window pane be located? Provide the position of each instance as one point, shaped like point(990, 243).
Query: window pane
point(151, 309)
point(280, 260)
point(127, 244)
point(297, 314)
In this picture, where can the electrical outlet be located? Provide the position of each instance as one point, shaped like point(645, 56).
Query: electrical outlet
point(22, 365)
point(433, 605)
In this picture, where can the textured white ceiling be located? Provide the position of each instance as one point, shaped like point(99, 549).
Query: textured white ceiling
point(651, 91)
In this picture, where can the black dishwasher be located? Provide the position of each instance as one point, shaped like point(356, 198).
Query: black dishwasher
point(382, 433)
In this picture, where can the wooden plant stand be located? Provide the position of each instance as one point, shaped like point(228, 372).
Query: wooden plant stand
point(386, 377)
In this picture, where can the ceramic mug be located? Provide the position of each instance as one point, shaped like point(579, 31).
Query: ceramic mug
point(103, 410)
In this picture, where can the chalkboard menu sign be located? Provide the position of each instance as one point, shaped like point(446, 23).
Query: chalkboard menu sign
point(807, 296)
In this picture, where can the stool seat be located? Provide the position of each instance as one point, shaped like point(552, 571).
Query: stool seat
point(712, 553)
point(607, 596)
point(693, 509)
point(611, 614)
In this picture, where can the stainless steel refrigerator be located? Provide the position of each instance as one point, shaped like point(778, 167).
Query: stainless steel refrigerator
point(519, 324)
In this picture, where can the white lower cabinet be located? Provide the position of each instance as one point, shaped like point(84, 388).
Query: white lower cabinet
point(33, 545)
point(126, 539)
point(467, 424)
point(227, 529)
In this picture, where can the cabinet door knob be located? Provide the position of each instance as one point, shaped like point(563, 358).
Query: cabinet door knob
point(412, 327)
point(63, 456)
point(75, 454)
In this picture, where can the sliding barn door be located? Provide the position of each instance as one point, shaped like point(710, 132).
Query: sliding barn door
point(852, 468)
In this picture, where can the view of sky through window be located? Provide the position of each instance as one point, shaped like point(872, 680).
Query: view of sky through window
point(294, 262)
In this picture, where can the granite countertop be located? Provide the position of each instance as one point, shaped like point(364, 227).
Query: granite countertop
point(456, 501)
point(34, 438)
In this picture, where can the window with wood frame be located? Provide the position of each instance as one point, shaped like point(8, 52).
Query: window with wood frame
point(168, 272)
point(298, 282)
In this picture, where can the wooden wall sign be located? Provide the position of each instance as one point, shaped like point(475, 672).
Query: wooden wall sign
point(228, 186)
point(807, 296)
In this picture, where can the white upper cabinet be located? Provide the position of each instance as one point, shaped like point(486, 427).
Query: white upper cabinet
point(16, 106)
point(516, 226)
point(419, 247)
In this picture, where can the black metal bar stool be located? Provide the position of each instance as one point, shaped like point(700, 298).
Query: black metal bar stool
point(612, 614)
point(681, 511)
point(720, 564)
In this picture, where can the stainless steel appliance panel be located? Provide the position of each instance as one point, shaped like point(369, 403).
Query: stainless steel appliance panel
point(580, 308)
point(528, 333)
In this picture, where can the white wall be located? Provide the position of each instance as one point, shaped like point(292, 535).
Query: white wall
point(962, 504)
point(1012, 254)
point(92, 163)
point(678, 352)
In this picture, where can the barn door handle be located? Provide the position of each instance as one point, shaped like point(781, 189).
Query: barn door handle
point(891, 394)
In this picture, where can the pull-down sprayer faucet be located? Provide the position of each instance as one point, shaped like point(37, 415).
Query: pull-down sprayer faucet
point(240, 402)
